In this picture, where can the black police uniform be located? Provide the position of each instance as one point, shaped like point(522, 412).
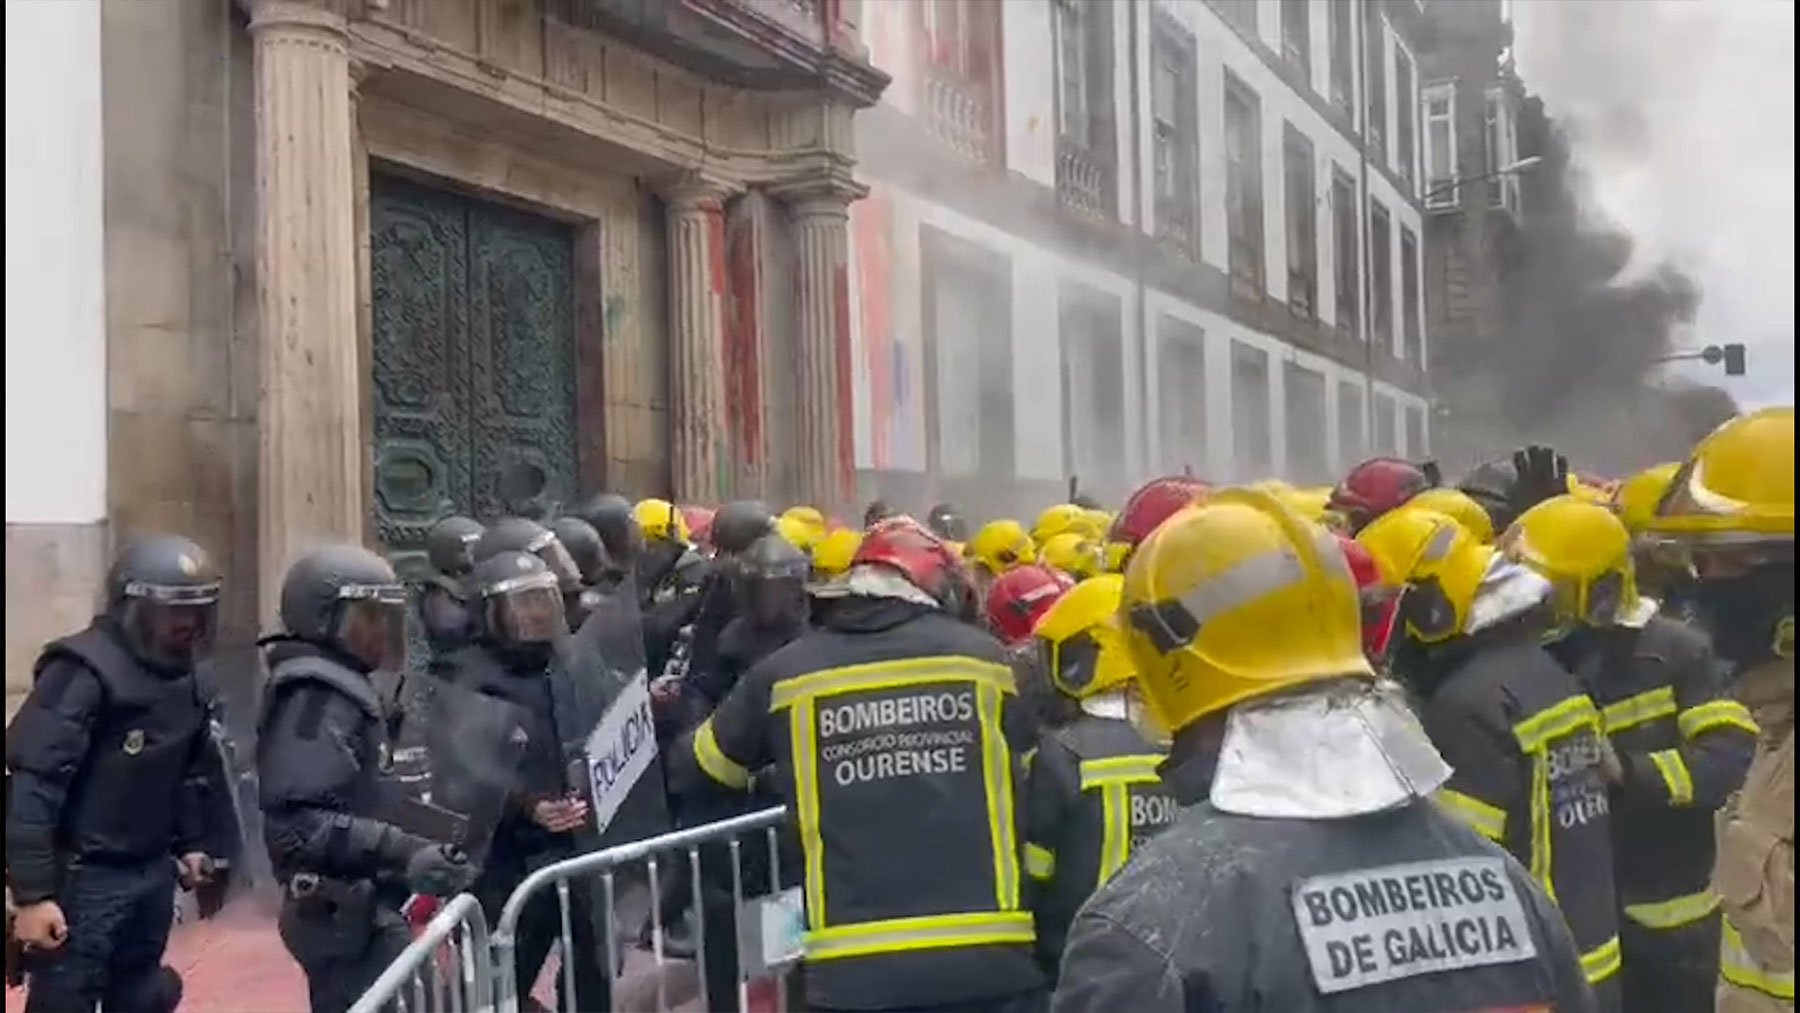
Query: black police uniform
point(1685, 746)
point(889, 728)
point(1526, 745)
point(324, 768)
point(103, 754)
point(1402, 911)
point(520, 845)
point(1092, 798)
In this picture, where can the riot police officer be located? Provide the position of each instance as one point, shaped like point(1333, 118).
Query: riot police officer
point(1309, 869)
point(443, 601)
point(589, 554)
point(322, 760)
point(611, 517)
point(518, 625)
point(106, 757)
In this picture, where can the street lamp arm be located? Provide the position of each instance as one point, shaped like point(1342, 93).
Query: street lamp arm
point(1521, 166)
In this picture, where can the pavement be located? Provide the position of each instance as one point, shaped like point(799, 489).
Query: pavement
point(235, 963)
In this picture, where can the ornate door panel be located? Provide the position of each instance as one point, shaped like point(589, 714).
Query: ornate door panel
point(474, 358)
point(522, 348)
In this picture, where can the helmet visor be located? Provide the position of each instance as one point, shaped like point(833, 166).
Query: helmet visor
point(1428, 611)
point(528, 610)
point(556, 556)
point(371, 623)
point(1604, 600)
point(1072, 663)
point(172, 625)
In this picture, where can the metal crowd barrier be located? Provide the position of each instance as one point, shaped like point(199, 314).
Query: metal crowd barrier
point(484, 978)
point(756, 953)
point(448, 968)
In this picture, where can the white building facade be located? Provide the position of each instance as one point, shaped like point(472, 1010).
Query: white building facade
point(1111, 240)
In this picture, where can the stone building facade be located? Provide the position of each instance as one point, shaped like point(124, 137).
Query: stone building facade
point(339, 265)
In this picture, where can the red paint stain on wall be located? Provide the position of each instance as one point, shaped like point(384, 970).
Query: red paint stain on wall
point(871, 238)
point(743, 382)
point(840, 321)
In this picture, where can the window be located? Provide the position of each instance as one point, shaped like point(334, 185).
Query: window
point(1386, 439)
point(1440, 146)
point(1307, 453)
point(1241, 13)
point(1181, 395)
point(1250, 437)
point(1411, 310)
point(1176, 123)
point(1381, 274)
point(1502, 151)
point(1093, 383)
point(1343, 86)
point(1352, 448)
point(967, 314)
point(1404, 113)
point(1085, 159)
point(1296, 34)
point(1415, 433)
point(958, 80)
point(1375, 84)
point(1345, 253)
point(1243, 187)
point(1302, 223)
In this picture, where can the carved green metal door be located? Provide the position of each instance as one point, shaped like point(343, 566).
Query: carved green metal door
point(474, 352)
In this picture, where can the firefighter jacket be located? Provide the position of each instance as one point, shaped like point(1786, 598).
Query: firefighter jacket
point(1092, 797)
point(889, 726)
point(1396, 910)
point(1754, 874)
point(1684, 745)
point(1526, 745)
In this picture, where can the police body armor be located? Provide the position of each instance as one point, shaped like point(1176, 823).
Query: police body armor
point(1095, 797)
point(365, 797)
point(122, 804)
point(543, 771)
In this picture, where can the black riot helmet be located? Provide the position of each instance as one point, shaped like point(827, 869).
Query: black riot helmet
point(163, 592)
point(739, 524)
point(518, 600)
point(516, 534)
point(584, 545)
point(347, 598)
point(946, 523)
point(1508, 487)
point(876, 512)
point(450, 545)
point(772, 576)
point(611, 517)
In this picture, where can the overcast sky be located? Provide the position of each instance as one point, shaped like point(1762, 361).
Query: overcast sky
point(1683, 113)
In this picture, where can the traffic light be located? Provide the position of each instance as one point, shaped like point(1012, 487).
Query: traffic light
point(1731, 355)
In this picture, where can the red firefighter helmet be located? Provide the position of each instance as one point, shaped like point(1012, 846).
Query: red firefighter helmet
point(1376, 486)
point(1380, 604)
point(908, 547)
point(1020, 596)
point(699, 523)
point(1154, 502)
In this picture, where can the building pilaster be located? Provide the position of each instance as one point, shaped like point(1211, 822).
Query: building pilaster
point(697, 439)
point(826, 470)
point(310, 481)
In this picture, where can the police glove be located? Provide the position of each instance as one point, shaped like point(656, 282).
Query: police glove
point(439, 870)
point(1542, 472)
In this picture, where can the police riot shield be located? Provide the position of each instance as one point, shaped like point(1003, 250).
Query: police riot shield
point(222, 797)
point(456, 756)
point(614, 756)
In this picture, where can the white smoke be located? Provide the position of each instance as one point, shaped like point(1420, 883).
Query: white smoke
point(1682, 114)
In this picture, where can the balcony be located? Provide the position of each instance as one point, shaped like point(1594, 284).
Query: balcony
point(1084, 181)
point(958, 112)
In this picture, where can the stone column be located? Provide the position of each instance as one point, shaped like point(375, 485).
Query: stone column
point(697, 441)
point(822, 403)
point(309, 484)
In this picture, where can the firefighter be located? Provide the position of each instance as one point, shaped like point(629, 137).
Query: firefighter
point(1307, 870)
point(1508, 487)
point(1682, 744)
point(891, 726)
point(1532, 769)
point(1092, 796)
point(1375, 487)
point(1732, 507)
point(1056, 519)
point(1020, 598)
point(1071, 553)
point(996, 548)
point(1153, 502)
point(1380, 603)
point(804, 526)
point(831, 557)
point(1459, 507)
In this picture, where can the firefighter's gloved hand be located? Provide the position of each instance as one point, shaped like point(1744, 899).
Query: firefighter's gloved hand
point(439, 871)
point(1542, 472)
